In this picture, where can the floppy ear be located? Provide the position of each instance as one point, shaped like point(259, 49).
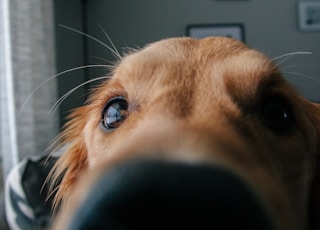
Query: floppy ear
point(73, 161)
point(314, 211)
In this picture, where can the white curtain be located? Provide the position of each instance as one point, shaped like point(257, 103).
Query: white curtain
point(27, 58)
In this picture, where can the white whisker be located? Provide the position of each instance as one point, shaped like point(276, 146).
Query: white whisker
point(303, 75)
point(111, 42)
point(103, 60)
point(67, 94)
point(55, 76)
point(115, 52)
point(285, 57)
point(293, 66)
point(291, 54)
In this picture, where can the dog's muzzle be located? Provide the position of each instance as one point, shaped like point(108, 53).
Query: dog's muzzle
point(148, 194)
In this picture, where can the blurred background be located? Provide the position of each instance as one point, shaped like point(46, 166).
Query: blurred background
point(35, 45)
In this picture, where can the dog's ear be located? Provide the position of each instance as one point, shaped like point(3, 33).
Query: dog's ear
point(314, 211)
point(73, 161)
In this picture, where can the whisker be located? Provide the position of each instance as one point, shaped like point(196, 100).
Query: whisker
point(103, 60)
point(67, 94)
point(55, 76)
point(303, 75)
point(285, 57)
point(291, 54)
point(115, 52)
point(293, 66)
point(111, 42)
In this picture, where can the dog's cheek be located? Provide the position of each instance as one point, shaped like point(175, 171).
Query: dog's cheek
point(94, 137)
point(314, 200)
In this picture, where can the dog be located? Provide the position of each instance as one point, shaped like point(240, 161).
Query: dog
point(191, 133)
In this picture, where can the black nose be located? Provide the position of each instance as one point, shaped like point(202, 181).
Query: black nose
point(161, 195)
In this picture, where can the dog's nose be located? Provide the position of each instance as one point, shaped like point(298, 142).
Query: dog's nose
point(147, 194)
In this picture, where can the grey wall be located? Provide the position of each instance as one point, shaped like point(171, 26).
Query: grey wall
point(70, 53)
point(270, 26)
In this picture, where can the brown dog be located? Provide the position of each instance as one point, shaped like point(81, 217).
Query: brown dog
point(194, 106)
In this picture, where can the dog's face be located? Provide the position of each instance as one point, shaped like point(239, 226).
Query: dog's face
point(212, 102)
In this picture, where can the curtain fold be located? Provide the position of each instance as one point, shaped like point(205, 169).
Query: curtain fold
point(27, 58)
point(31, 57)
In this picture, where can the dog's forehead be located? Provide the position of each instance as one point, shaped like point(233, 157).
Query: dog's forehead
point(186, 49)
point(195, 55)
point(214, 60)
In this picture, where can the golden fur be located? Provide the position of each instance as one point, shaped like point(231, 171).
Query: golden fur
point(195, 101)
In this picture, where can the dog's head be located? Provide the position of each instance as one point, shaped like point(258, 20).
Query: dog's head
point(192, 129)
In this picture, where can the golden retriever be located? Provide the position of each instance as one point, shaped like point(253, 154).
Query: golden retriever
point(210, 123)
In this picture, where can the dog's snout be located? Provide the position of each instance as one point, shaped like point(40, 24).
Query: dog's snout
point(170, 195)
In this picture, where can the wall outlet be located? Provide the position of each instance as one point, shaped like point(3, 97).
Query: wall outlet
point(309, 15)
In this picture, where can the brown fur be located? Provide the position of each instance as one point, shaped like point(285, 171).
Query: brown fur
point(196, 100)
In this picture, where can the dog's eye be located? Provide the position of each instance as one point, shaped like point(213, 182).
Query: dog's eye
point(114, 113)
point(276, 113)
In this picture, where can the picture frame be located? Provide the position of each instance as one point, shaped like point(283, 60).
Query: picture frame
point(308, 15)
point(232, 30)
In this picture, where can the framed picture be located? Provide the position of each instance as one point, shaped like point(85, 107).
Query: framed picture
point(309, 15)
point(234, 30)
